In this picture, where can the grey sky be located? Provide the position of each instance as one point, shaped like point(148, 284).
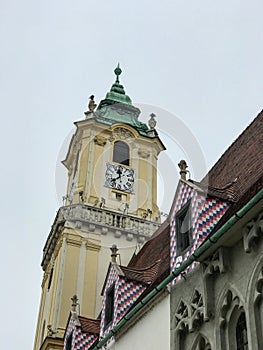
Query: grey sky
point(199, 60)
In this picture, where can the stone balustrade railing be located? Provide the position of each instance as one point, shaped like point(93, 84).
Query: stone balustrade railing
point(92, 218)
point(109, 218)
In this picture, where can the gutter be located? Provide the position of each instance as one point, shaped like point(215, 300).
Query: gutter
point(207, 244)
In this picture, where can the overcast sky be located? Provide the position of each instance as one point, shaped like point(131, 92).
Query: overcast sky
point(197, 64)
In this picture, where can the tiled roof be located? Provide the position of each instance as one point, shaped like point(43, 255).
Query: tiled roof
point(226, 193)
point(156, 249)
point(241, 161)
point(145, 275)
point(89, 325)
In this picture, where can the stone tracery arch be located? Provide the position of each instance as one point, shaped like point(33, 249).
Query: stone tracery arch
point(187, 319)
point(255, 304)
point(201, 343)
point(230, 307)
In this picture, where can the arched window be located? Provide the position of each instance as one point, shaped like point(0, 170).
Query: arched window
point(121, 153)
point(241, 333)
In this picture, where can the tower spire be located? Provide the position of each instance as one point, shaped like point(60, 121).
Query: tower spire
point(118, 72)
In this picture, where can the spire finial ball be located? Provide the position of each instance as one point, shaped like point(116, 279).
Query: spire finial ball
point(118, 72)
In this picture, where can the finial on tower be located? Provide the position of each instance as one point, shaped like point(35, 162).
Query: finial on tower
point(152, 122)
point(114, 253)
point(74, 309)
point(118, 72)
point(74, 303)
point(183, 166)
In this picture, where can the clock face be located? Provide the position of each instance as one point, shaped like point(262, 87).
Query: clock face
point(119, 177)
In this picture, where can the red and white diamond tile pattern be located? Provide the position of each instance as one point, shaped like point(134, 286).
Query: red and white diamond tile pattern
point(112, 278)
point(80, 340)
point(128, 293)
point(206, 212)
point(125, 294)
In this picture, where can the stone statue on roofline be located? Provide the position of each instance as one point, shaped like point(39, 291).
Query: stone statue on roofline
point(91, 106)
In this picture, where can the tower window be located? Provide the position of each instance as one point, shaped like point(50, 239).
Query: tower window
point(241, 333)
point(121, 153)
point(184, 229)
point(109, 306)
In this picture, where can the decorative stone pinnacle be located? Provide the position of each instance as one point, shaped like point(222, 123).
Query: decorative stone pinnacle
point(114, 254)
point(118, 72)
point(183, 166)
point(74, 303)
point(152, 122)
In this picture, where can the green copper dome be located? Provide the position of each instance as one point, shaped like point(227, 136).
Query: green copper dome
point(117, 107)
point(117, 92)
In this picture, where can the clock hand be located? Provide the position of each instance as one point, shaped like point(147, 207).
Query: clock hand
point(119, 172)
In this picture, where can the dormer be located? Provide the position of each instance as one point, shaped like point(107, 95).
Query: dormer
point(196, 210)
point(122, 288)
point(81, 332)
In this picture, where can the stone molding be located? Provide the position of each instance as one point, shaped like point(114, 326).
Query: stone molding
point(213, 266)
point(259, 288)
point(216, 263)
point(251, 232)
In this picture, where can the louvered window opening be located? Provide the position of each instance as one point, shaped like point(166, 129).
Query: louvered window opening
point(121, 153)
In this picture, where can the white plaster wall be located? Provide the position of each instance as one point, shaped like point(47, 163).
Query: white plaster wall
point(151, 332)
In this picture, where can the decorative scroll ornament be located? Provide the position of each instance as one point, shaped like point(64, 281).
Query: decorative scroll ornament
point(121, 134)
point(100, 140)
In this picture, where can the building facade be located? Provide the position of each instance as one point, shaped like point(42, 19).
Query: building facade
point(196, 284)
point(204, 267)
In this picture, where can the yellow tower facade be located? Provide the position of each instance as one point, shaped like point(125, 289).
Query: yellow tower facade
point(111, 199)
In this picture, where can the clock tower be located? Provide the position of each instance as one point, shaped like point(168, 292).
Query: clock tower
point(111, 198)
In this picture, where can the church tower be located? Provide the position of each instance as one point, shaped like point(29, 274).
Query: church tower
point(111, 198)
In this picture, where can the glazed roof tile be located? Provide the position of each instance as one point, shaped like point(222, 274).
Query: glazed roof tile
point(89, 325)
point(144, 275)
point(156, 249)
point(242, 161)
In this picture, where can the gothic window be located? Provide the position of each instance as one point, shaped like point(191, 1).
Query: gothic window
point(109, 306)
point(184, 229)
point(121, 153)
point(241, 333)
